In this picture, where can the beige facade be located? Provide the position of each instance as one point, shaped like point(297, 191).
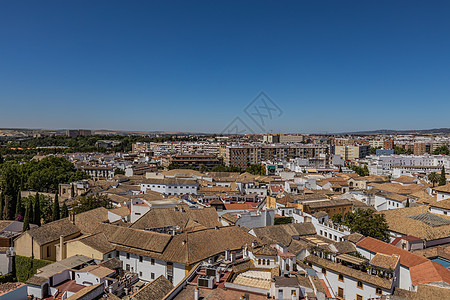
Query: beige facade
point(25, 245)
point(352, 152)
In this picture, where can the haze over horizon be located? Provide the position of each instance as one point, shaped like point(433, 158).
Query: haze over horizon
point(195, 66)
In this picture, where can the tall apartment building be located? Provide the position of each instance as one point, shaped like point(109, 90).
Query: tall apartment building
point(283, 138)
point(177, 147)
point(352, 152)
point(419, 148)
point(244, 156)
point(78, 132)
point(382, 143)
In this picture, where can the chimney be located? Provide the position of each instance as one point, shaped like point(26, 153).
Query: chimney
point(72, 217)
point(196, 293)
point(62, 249)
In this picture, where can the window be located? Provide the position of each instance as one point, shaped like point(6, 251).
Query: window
point(321, 233)
point(359, 284)
point(48, 251)
point(359, 297)
point(340, 292)
point(324, 271)
point(259, 261)
point(128, 255)
point(127, 267)
point(140, 258)
point(140, 274)
point(152, 261)
point(152, 275)
point(378, 291)
point(341, 278)
point(117, 253)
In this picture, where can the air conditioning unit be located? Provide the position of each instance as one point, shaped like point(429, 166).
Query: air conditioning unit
point(206, 281)
point(211, 271)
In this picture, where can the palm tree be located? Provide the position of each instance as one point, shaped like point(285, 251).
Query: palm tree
point(433, 178)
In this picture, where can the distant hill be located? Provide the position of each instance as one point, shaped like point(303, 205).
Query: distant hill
point(391, 131)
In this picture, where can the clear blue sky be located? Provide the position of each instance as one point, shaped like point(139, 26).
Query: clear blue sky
point(194, 65)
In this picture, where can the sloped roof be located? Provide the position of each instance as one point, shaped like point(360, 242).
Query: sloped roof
point(428, 272)
point(97, 270)
point(417, 221)
point(135, 238)
point(52, 231)
point(443, 188)
point(96, 241)
point(122, 211)
point(283, 233)
point(89, 220)
point(385, 261)
point(407, 258)
point(192, 247)
point(154, 290)
point(357, 274)
point(161, 217)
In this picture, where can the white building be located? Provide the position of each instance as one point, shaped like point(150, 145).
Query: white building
point(170, 186)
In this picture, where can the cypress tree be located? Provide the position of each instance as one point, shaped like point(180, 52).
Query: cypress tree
point(18, 206)
point(6, 206)
point(37, 210)
point(2, 197)
point(56, 210)
point(64, 211)
point(26, 219)
point(442, 179)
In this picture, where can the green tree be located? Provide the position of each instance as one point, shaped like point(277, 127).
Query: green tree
point(64, 211)
point(7, 208)
point(27, 217)
point(337, 218)
point(442, 178)
point(256, 169)
point(56, 209)
point(19, 207)
point(2, 200)
point(37, 210)
point(282, 220)
point(368, 223)
point(86, 203)
point(433, 177)
point(119, 171)
point(441, 150)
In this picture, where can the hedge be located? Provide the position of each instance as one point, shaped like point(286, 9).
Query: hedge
point(282, 220)
point(26, 267)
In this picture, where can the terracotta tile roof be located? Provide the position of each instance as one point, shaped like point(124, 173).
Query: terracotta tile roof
point(97, 270)
point(161, 217)
point(191, 247)
point(428, 272)
point(96, 241)
point(385, 261)
point(283, 233)
point(443, 188)
point(424, 291)
point(266, 250)
point(154, 290)
point(52, 231)
point(407, 259)
point(356, 274)
point(405, 179)
point(89, 220)
point(135, 238)
point(122, 211)
point(418, 222)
